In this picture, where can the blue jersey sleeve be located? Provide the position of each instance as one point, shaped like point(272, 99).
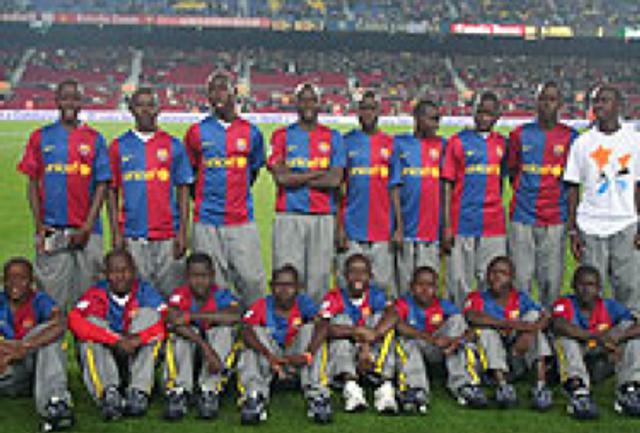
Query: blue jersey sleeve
point(377, 300)
point(308, 308)
point(42, 305)
point(257, 159)
point(617, 311)
point(338, 151)
point(181, 170)
point(448, 308)
point(527, 304)
point(395, 166)
point(149, 297)
point(101, 166)
point(225, 299)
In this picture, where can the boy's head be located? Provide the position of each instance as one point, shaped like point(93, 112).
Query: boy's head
point(424, 284)
point(285, 285)
point(120, 271)
point(357, 272)
point(426, 117)
point(486, 111)
point(200, 274)
point(586, 284)
point(500, 275)
point(18, 278)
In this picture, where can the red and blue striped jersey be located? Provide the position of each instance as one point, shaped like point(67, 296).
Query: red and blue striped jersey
point(420, 194)
point(338, 301)
point(219, 299)
point(283, 329)
point(537, 158)
point(518, 305)
point(145, 176)
point(476, 166)
point(67, 165)
point(302, 151)
point(97, 302)
point(606, 313)
point(226, 160)
point(34, 311)
point(370, 174)
point(428, 319)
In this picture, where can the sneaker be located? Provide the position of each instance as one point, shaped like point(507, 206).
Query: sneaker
point(319, 408)
point(472, 396)
point(112, 404)
point(353, 397)
point(541, 398)
point(581, 405)
point(385, 398)
point(208, 404)
point(59, 416)
point(176, 406)
point(253, 410)
point(506, 396)
point(136, 402)
point(413, 400)
point(627, 400)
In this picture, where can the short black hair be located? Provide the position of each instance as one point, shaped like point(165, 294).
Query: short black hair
point(287, 268)
point(68, 82)
point(547, 84)
point(355, 258)
point(199, 257)
point(13, 261)
point(422, 105)
point(423, 270)
point(498, 259)
point(484, 96)
point(583, 271)
point(143, 90)
point(119, 252)
point(613, 89)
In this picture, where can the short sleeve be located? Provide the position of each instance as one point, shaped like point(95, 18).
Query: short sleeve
point(474, 302)
point(573, 169)
point(451, 156)
point(181, 167)
point(338, 151)
point(193, 144)
point(562, 308)
point(101, 166)
point(618, 312)
point(278, 148)
point(377, 300)
point(402, 308)
point(331, 304)
point(257, 149)
point(308, 308)
point(527, 304)
point(31, 163)
point(150, 297)
point(225, 299)
point(256, 314)
point(43, 306)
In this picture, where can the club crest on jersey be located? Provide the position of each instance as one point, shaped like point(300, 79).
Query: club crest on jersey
point(526, 148)
point(162, 154)
point(385, 152)
point(163, 174)
point(513, 315)
point(241, 144)
point(558, 149)
point(499, 152)
point(469, 153)
point(297, 321)
point(602, 327)
point(324, 147)
point(27, 323)
point(48, 148)
point(84, 149)
point(366, 311)
point(435, 154)
point(436, 319)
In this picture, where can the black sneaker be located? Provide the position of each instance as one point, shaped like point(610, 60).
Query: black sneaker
point(319, 408)
point(581, 405)
point(208, 405)
point(176, 404)
point(471, 396)
point(506, 396)
point(413, 400)
point(541, 398)
point(59, 416)
point(112, 404)
point(254, 410)
point(136, 402)
point(628, 400)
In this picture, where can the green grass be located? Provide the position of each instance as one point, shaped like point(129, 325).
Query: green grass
point(287, 408)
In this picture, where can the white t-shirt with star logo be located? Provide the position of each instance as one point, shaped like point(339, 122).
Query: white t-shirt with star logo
point(607, 166)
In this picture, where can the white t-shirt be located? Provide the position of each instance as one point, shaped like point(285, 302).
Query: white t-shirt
point(608, 167)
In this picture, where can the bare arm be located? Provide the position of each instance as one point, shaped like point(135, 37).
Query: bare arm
point(398, 235)
point(283, 176)
point(180, 245)
point(329, 179)
point(81, 238)
point(573, 198)
point(34, 205)
point(117, 239)
point(562, 327)
point(448, 237)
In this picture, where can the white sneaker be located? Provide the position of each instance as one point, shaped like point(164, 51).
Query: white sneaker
point(385, 398)
point(353, 397)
